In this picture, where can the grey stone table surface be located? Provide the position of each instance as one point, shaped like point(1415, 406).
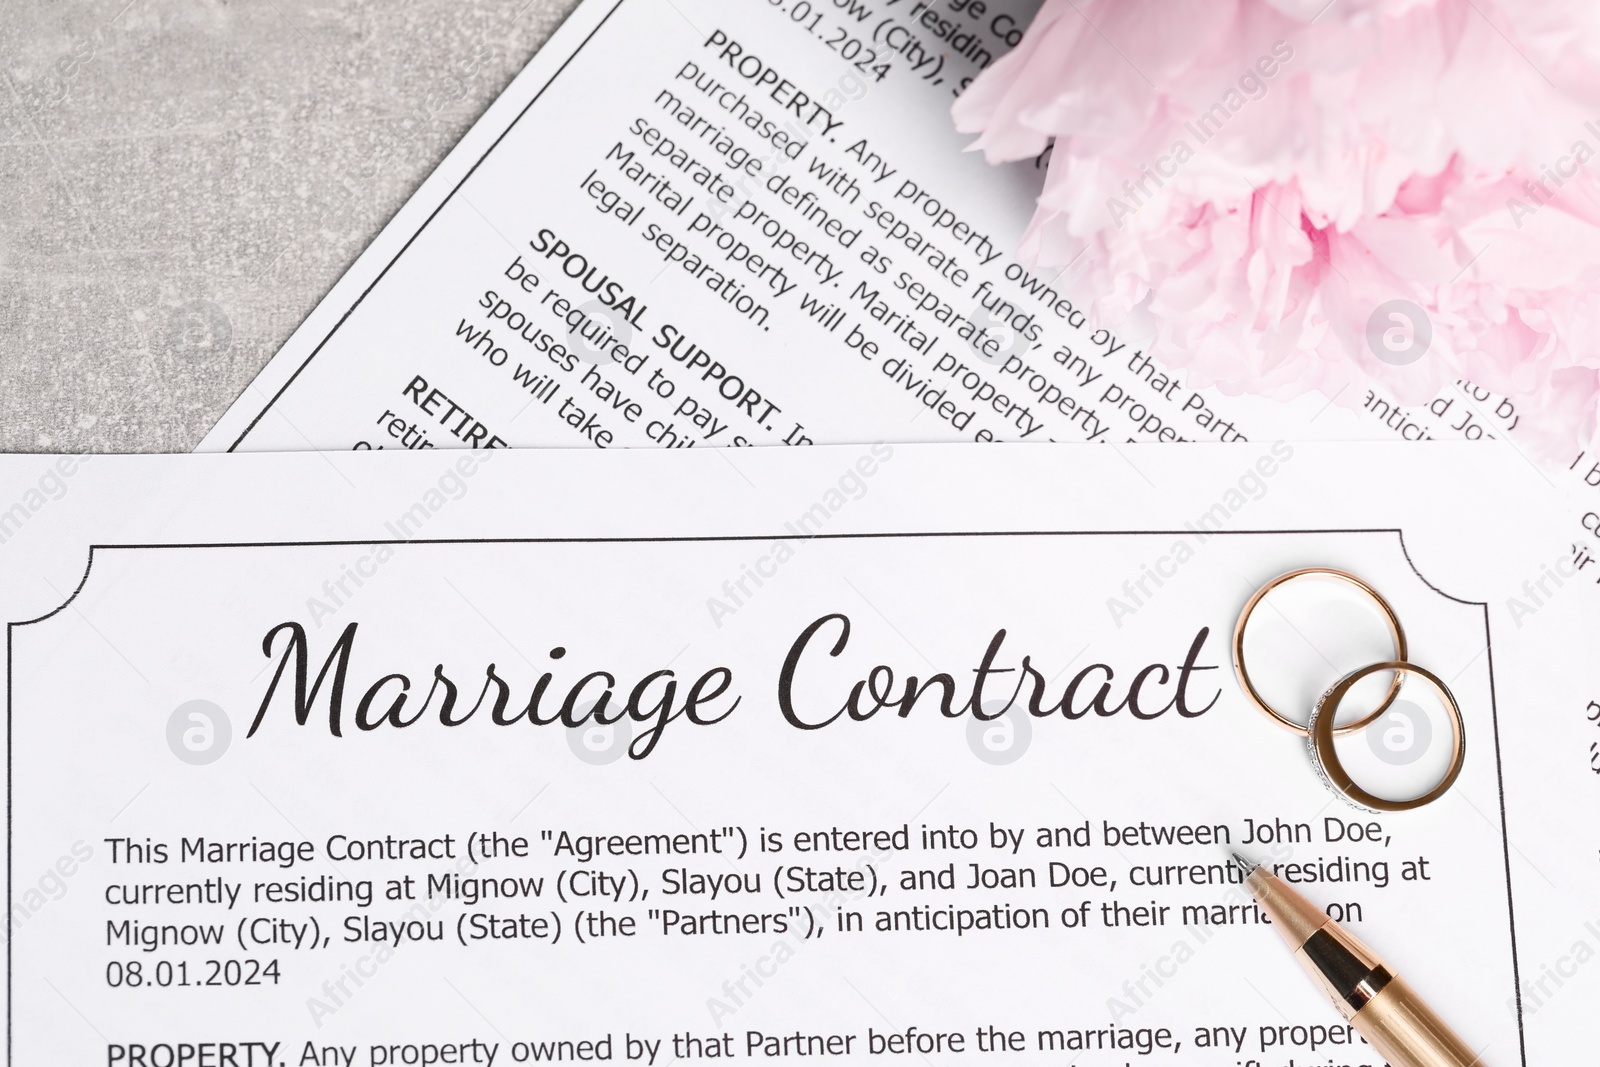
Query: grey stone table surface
point(182, 180)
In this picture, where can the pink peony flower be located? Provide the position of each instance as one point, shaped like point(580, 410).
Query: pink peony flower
point(1302, 195)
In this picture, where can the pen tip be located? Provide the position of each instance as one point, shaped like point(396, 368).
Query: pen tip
point(1245, 865)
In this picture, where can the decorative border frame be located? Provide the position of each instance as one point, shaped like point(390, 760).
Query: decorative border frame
point(1494, 710)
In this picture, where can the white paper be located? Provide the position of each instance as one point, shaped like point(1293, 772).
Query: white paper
point(138, 586)
point(808, 316)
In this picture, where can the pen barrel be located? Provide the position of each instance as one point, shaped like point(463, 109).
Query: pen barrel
point(1407, 1033)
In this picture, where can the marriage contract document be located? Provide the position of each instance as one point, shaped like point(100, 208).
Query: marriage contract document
point(857, 754)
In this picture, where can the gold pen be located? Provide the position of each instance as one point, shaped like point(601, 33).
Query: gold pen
point(1381, 1006)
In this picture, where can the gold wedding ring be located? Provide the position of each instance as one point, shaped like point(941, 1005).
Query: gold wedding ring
point(1396, 632)
point(1326, 760)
